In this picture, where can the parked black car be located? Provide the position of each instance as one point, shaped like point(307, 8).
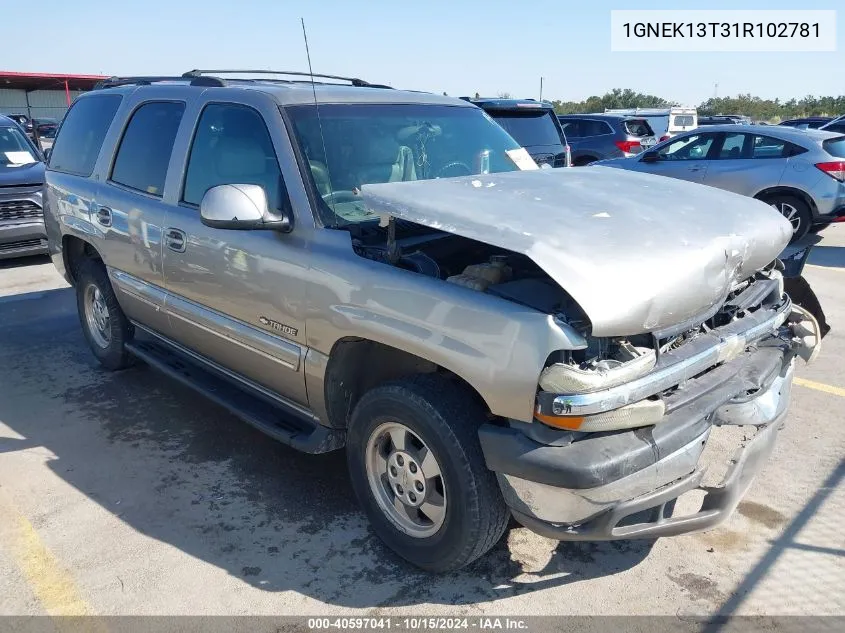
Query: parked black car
point(21, 119)
point(532, 124)
point(595, 137)
point(21, 181)
point(813, 122)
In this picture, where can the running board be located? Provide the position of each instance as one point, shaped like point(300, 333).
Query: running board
point(285, 424)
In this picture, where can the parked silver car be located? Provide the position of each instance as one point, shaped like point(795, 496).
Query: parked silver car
point(799, 172)
point(547, 343)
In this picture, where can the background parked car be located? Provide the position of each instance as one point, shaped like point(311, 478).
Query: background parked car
point(666, 122)
point(533, 125)
point(799, 172)
point(21, 181)
point(724, 119)
point(595, 137)
point(813, 122)
point(22, 120)
point(836, 125)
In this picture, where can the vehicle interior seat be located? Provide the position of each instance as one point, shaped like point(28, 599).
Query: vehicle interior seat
point(734, 152)
point(385, 160)
point(243, 160)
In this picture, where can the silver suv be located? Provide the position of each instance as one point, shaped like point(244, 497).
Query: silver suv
point(799, 172)
point(389, 272)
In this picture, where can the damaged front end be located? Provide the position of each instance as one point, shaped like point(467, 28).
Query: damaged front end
point(674, 307)
point(622, 429)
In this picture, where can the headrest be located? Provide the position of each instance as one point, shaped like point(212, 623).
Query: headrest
point(238, 157)
point(382, 150)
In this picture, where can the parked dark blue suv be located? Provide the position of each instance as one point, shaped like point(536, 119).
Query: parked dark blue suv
point(532, 124)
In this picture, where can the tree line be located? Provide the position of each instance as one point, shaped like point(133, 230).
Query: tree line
point(758, 109)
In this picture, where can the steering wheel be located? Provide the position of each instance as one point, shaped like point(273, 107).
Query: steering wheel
point(453, 164)
point(340, 196)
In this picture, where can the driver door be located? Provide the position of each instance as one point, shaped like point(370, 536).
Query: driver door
point(237, 297)
point(685, 157)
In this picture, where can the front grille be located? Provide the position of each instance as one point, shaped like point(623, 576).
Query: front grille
point(19, 210)
point(13, 246)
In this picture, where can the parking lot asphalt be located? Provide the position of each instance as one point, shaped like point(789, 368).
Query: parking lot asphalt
point(125, 493)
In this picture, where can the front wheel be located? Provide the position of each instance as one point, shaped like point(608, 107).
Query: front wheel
point(417, 469)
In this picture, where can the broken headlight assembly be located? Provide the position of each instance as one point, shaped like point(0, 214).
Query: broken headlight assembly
point(606, 363)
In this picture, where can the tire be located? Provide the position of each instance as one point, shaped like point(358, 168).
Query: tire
point(795, 210)
point(584, 161)
point(105, 327)
point(445, 420)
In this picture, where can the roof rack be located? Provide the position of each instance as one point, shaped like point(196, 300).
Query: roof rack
point(113, 82)
point(360, 83)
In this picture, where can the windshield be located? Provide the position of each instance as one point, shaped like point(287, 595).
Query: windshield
point(529, 127)
point(376, 143)
point(14, 148)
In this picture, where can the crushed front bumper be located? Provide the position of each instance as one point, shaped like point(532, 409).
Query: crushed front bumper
point(625, 484)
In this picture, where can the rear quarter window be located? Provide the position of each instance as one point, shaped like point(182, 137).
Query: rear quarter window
point(638, 127)
point(81, 135)
point(835, 146)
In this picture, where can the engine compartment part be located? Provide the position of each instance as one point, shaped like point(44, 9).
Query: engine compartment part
point(482, 276)
point(626, 363)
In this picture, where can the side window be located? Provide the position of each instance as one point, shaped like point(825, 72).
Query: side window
point(81, 135)
point(591, 127)
point(732, 147)
point(232, 146)
point(145, 149)
point(768, 147)
point(692, 147)
point(572, 128)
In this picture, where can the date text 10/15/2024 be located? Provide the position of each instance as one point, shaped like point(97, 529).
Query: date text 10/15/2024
point(405, 623)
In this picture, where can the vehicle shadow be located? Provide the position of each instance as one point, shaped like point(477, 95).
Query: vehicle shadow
point(181, 470)
point(20, 262)
point(827, 256)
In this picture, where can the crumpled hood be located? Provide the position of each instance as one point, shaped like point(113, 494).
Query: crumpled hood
point(637, 252)
point(31, 174)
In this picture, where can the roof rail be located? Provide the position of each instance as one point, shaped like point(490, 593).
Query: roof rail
point(198, 73)
point(113, 82)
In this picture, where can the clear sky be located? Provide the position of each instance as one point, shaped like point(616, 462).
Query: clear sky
point(457, 46)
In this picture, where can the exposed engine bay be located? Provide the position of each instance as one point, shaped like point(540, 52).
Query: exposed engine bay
point(468, 263)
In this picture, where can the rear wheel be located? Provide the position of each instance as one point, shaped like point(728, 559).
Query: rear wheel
point(417, 469)
point(104, 325)
point(795, 210)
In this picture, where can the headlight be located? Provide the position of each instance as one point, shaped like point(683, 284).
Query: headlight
point(571, 379)
point(632, 416)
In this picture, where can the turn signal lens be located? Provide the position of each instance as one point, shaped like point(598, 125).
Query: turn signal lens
point(642, 413)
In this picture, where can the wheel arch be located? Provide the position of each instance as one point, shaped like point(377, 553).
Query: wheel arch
point(74, 250)
point(789, 191)
point(356, 365)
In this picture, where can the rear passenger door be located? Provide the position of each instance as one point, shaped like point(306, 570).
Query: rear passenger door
point(237, 298)
point(747, 163)
point(130, 208)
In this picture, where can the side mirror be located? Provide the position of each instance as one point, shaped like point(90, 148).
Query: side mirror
point(241, 207)
point(47, 153)
point(650, 157)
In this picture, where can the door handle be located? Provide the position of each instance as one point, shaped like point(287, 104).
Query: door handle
point(175, 240)
point(104, 216)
